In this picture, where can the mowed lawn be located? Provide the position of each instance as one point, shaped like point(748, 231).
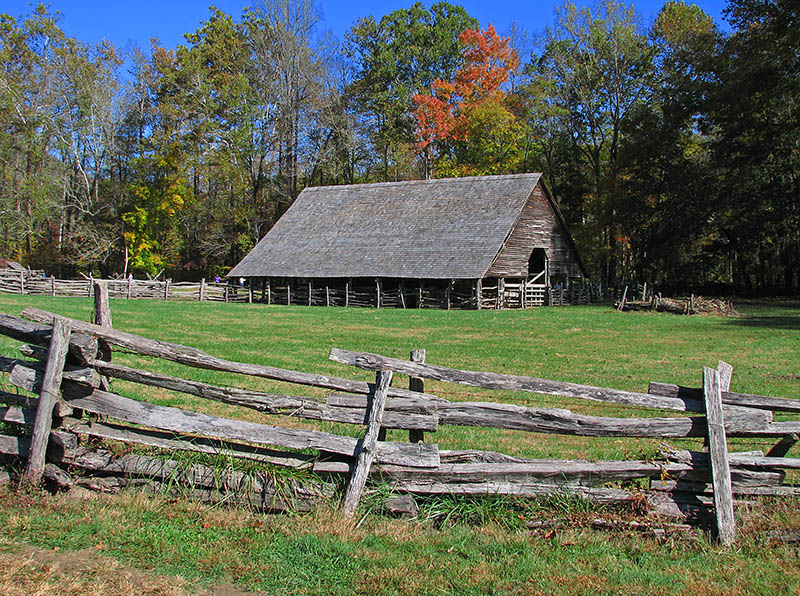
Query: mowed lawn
point(454, 548)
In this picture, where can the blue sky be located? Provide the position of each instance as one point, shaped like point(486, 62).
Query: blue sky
point(122, 21)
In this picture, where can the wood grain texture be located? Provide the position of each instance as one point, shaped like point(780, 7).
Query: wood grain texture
point(270, 403)
point(82, 347)
point(763, 402)
point(48, 396)
point(182, 421)
point(718, 452)
point(365, 452)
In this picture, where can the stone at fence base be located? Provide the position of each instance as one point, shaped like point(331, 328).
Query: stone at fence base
point(404, 506)
point(56, 479)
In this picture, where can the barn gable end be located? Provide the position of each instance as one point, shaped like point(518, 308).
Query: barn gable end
point(419, 243)
point(539, 225)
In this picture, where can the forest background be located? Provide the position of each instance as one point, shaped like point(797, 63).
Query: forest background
point(673, 149)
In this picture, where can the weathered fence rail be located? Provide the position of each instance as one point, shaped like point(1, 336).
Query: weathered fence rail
point(81, 390)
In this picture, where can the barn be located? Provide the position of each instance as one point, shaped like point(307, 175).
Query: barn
point(475, 242)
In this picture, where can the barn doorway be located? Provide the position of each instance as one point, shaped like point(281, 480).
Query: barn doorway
point(538, 278)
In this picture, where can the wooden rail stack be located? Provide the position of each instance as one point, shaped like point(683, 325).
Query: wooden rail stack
point(84, 408)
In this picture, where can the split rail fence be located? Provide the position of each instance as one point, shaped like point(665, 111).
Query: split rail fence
point(507, 295)
point(68, 363)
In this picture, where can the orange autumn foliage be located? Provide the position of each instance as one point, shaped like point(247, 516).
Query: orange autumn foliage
point(446, 113)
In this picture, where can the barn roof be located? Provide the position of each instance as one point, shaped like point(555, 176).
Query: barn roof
point(433, 229)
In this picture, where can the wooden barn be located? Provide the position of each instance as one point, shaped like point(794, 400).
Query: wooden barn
point(480, 242)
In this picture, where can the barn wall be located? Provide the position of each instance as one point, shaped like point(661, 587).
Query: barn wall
point(537, 227)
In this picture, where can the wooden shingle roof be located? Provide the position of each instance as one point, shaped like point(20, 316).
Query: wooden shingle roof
point(432, 229)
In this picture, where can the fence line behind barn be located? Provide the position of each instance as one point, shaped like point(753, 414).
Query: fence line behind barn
point(453, 296)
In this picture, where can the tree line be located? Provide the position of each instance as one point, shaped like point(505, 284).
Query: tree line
point(672, 148)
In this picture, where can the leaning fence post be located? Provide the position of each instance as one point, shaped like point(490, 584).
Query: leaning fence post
point(417, 384)
point(51, 390)
point(718, 453)
point(365, 451)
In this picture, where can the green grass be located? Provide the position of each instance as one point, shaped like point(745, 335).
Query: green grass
point(456, 546)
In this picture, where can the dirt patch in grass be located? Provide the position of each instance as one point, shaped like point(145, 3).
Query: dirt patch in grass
point(28, 571)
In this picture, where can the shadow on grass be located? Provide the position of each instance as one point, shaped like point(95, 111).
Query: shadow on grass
point(781, 314)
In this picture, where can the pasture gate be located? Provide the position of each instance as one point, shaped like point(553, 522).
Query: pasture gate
point(68, 363)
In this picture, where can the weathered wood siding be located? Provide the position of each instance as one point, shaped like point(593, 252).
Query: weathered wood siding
point(537, 227)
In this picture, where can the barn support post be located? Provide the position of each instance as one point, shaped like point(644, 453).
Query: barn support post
point(378, 288)
point(419, 303)
point(501, 288)
point(309, 292)
point(478, 294)
point(447, 293)
point(268, 288)
point(402, 294)
point(347, 292)
point(327, 295)
point(523, 287)
point(288, 293)
point(249, 292)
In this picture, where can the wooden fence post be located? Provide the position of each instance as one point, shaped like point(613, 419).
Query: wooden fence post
point(269, 291)
point(202, 288)
point(365, 451)
point(51, 390)
point(102, 310)
point(21, 283)
point(130, 286)
point(166, 289)
point(479, 294)
point(417, 384)
point(621, 305)
point(718, 453)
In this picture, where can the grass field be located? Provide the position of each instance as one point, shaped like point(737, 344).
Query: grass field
point(454, 548)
